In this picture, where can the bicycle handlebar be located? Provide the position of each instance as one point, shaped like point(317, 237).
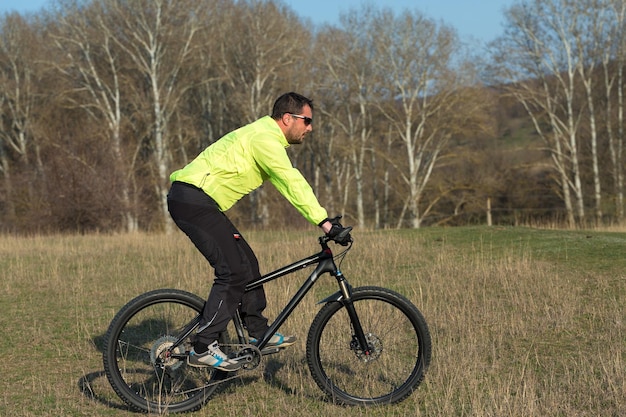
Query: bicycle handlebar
point(339, 238)
point(344, 233)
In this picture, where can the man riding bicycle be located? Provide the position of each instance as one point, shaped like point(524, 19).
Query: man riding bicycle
point(213, 182)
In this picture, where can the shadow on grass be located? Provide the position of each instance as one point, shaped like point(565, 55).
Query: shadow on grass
point(86, 384)
point(98, 342)
point(141, 333)
point(91, 387)
point(271, 378)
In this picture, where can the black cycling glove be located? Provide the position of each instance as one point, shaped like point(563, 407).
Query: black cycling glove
point(338, 233)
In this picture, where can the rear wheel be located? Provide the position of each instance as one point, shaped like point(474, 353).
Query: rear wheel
point(393, 365)
point(138, 361)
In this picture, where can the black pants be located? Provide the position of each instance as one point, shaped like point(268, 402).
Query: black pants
point(235, 264)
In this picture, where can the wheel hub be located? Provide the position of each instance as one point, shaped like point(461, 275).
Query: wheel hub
point(374, 347)
point(160, 355)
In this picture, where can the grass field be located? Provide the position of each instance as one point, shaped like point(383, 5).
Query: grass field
point(525, 322)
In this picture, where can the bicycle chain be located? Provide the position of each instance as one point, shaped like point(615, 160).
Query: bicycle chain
point(241, 347)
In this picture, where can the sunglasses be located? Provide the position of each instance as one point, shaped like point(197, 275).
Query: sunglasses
point(307, 120)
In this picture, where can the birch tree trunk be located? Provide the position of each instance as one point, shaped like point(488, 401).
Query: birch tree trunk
point(348, 77)
point(158, 39)
point(87, 39)
point(538, 61)
point(613, 62)
point(18, 50)
point(264, 53)
point(421, 85)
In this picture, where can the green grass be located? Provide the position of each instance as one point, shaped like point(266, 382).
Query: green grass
point(525, 322)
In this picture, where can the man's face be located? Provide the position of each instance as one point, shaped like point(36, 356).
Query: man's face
point(299, 126)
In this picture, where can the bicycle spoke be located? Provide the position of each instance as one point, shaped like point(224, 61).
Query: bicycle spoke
point(392, 364)
point(142, 364)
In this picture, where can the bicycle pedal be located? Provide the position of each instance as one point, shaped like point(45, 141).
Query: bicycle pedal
point(270, 350)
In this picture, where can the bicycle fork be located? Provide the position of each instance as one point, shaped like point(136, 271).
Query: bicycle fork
point(359, 344)
point(359, 341)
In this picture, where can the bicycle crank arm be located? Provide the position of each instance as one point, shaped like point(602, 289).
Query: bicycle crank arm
point(248, 355)
point(270, 350)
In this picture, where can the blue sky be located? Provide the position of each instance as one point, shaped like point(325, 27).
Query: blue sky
point(481, 20)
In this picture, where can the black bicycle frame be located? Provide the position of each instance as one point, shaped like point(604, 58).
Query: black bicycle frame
point(326, 264)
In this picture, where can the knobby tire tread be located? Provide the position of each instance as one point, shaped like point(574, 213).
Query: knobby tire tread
point(133, 307)
point(323, 318)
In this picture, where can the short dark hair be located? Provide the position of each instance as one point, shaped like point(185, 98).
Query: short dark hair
point(290, 103)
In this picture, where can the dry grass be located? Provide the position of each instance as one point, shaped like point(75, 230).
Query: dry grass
point(524, 322)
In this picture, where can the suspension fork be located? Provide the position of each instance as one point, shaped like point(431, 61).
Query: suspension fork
point(345, 292)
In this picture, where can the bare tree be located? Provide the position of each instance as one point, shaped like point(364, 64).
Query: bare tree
point(18, 76)
point(346, 79)
point(158, 37)
point(262, 55)
point(262, 52)
point(419, 85)
point(613, 62)
point(537, 60)
point(590, 37)
point(86, 38)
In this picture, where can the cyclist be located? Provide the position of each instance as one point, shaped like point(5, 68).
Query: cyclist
point(213, 182)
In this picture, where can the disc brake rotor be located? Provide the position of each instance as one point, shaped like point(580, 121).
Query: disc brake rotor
point(375, 347)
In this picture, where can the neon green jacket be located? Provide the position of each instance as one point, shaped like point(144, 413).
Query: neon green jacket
point(241, 161)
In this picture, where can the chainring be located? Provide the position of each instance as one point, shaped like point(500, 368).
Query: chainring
point(249, 355)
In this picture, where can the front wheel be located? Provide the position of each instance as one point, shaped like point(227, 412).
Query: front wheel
point(398, 352)
point(140, 363)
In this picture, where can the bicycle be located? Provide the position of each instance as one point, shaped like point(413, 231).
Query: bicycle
point(366, 345)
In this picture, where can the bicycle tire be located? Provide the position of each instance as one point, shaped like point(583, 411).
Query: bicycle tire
point(396, 332)
point(133, 344)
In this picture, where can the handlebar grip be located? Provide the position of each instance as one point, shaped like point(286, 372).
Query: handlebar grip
point(344, 237)
point(346, 231)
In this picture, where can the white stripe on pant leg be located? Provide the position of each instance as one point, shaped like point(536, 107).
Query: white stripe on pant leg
point(211, 321)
